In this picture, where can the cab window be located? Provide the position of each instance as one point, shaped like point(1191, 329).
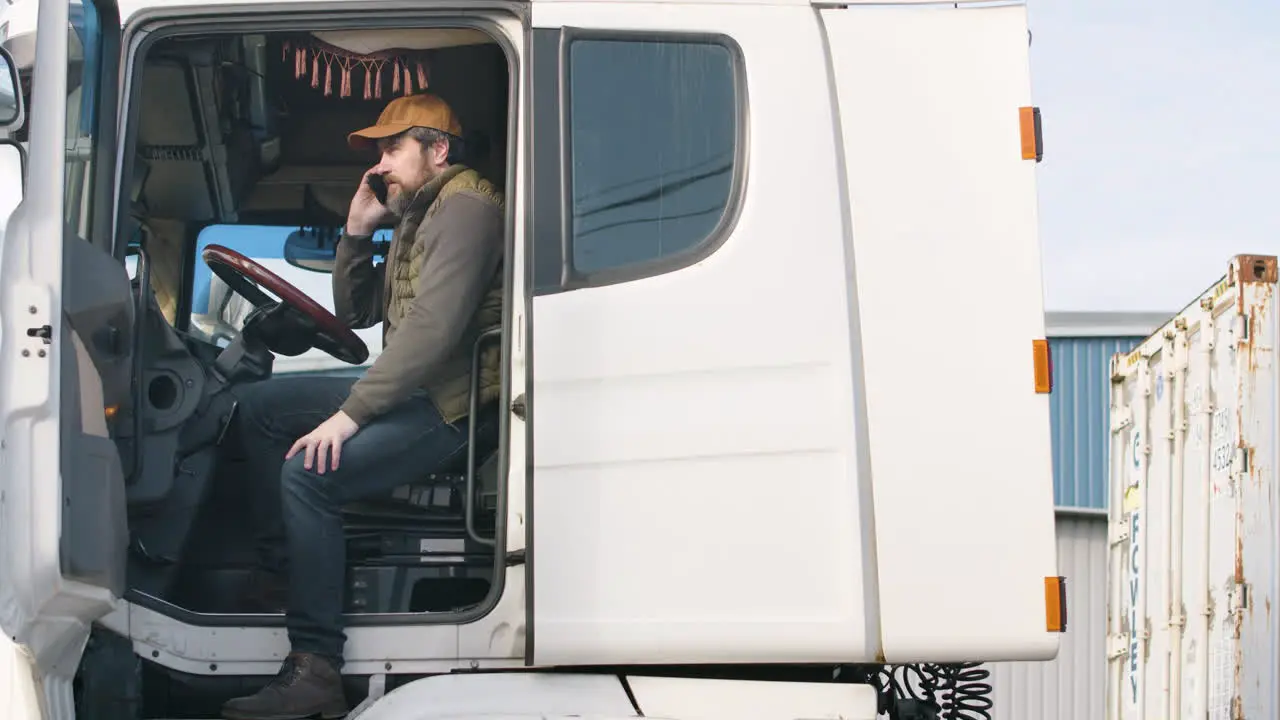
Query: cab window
point(84, 52)
point(652, 168)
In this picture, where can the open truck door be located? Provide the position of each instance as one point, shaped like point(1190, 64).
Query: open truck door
point(65, 355)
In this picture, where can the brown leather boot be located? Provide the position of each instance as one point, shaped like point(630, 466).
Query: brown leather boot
point(307, 686)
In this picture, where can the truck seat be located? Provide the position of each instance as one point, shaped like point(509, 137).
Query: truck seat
point(410, 550)
point(438, 497)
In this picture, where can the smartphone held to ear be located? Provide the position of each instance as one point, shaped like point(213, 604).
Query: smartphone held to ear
point(378, 184)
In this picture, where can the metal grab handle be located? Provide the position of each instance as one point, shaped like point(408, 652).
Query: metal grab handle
point(469, 502)
point(143, 275)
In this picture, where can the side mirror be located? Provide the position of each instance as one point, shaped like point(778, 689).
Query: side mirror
point(312, 249)
point(10, 91)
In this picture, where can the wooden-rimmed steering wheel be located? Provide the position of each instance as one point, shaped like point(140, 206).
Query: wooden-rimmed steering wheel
point(309, 318)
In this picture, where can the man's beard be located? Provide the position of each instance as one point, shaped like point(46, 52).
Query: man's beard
point(398, 201)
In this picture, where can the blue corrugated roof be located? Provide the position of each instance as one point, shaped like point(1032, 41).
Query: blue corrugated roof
point(1080, 417)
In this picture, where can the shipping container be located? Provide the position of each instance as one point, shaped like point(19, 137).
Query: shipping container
point(1192, 524)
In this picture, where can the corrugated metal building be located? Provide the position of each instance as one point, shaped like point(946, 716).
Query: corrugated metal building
point(1073, 687)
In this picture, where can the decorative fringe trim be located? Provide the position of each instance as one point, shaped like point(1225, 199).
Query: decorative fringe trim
point(314, 57)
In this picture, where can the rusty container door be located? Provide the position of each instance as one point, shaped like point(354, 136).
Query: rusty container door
point(1194, 540)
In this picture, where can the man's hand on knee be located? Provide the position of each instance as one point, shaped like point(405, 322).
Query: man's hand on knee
point(325, 442)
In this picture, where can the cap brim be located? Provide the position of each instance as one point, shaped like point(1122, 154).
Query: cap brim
point(364, 139)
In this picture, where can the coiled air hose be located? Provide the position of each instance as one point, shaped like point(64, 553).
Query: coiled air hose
point(932, 691)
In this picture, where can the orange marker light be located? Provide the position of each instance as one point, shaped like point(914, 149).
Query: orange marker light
point(1032, 139)
point(1055, 604)
point(1043, 366)
point(111, 411)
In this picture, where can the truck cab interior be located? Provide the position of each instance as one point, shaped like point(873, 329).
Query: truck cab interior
point(243, 137)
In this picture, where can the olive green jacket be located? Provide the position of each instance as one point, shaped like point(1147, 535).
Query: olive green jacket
point(440, 286)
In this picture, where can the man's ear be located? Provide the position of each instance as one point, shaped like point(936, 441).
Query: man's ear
point(440, 151)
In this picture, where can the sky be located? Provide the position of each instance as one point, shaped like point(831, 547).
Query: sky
point(1162, 147)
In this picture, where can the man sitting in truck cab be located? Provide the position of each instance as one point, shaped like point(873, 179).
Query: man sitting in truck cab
point(321, 442)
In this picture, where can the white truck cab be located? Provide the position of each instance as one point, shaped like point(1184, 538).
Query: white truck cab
point(776, 433)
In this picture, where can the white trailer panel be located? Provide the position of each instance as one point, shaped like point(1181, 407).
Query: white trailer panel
point(1193, 531)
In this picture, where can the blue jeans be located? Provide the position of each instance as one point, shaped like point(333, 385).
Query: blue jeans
point(300, 511)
